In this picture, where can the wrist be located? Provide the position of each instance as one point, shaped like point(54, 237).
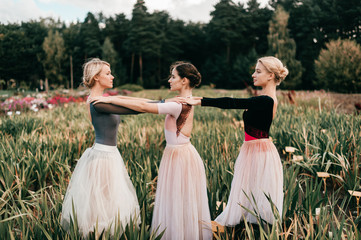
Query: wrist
point(112, 98)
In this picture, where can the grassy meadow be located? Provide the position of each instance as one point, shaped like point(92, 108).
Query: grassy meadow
point(39, 150)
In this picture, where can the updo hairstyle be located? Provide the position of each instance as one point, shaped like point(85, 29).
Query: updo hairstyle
point(274, 65)
point(189, 71)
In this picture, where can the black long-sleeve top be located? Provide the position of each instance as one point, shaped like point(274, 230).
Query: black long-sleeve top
point(257, 117)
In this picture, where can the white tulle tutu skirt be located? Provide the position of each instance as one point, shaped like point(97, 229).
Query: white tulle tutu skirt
point(257, 174)
point(181, 202)
point(101, 192)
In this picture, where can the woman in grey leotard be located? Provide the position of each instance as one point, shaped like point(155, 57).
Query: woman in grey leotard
point(100, 190)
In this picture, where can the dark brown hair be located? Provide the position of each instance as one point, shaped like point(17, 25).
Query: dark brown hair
point(189, 71)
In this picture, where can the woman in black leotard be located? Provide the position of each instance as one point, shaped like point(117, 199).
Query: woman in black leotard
point(100, 190)
point(258, 170)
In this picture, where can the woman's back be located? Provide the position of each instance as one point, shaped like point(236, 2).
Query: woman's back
point(178, 122)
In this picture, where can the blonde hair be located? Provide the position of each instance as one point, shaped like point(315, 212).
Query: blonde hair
point(91, 69)
point(274, 65)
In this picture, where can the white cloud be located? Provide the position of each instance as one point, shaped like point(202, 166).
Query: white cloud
point(21, 10)
point(187, 10)
point(95, 6)
point(24, 10)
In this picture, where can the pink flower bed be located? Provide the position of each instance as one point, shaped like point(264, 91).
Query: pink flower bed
point(16, 104)
point(31, 103)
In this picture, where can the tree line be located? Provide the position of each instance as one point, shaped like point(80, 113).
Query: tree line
point(141, 49)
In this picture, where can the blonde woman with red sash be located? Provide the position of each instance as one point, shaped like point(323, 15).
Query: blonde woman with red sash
point(258, 170)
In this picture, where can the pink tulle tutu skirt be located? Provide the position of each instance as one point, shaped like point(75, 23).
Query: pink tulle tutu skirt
point(181, 202)
point(258, 175)
point(100, 191)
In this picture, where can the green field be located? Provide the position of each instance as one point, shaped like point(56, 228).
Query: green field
point(38, 152)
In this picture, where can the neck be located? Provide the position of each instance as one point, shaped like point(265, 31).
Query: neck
point(185, 93)
point(96, 91)
point(269, 89)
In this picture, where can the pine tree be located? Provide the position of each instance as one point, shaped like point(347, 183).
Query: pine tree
point(89, 37)
point(224, 30)
point(110, 55)
point(54, 50)
point(73, 64)
point(137, 37)
point(108, 52)
point(283, 47)
point(257, 27)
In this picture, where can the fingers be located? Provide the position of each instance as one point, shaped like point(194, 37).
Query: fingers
point(197, 98)
point(95, 101)
point(100, 99)
point(188, 100)
point(180, 100)
point(95, 98)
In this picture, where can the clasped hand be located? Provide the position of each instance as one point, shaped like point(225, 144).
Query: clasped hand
point(190, 100)
point(101, 99)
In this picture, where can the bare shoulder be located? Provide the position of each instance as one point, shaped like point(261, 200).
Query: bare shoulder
point(275, 101)
point(89, 114)
point(275, 104)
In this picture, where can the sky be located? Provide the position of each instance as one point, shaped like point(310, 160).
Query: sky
point(72, 10)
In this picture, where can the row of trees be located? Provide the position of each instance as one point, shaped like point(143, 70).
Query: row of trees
point(141, 49)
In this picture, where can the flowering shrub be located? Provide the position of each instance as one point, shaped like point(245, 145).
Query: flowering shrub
point(14, 104)
point(56, 100)
point(41, 101)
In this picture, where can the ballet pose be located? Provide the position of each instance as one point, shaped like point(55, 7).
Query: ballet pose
point(100, 190)
point(258, 171)
point(181, 202)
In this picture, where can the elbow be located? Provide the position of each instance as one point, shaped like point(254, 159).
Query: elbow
point(148, 107)
point(143, 107)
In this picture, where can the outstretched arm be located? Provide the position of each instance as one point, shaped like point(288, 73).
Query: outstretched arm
point(194, 101)
point(174, 99)
point(113, 109)
point(136, 104)
point(229, 103)
point(135, 98)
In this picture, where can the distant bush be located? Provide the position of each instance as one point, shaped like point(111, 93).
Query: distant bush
point(131, 87)
point(205, 87)
point(338, 67)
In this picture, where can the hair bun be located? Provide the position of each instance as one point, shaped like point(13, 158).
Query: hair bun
point(283, 73)
point(196, 78)
point(187, 70)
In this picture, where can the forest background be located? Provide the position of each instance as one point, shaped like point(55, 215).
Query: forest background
point(318, 40)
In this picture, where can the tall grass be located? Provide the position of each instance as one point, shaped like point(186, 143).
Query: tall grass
point(38, 152)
